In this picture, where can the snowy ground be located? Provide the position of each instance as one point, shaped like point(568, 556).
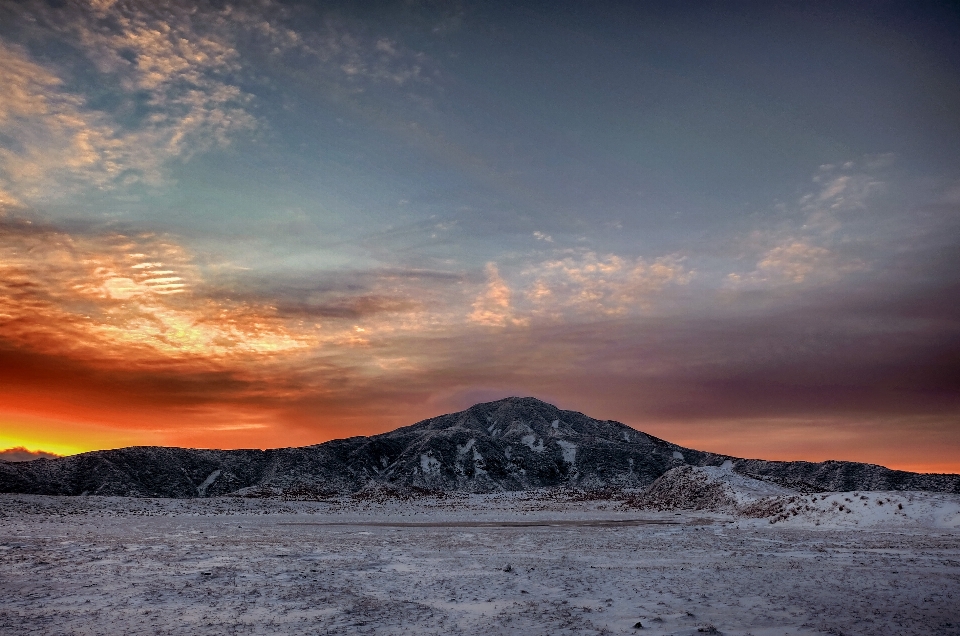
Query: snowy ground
point(516, 564)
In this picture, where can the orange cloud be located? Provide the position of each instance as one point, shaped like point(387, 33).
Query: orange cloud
point(110, 339)
point(130, 299)
point(123, 330)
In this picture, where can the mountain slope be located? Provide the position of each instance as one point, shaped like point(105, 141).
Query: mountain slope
point(510, 444)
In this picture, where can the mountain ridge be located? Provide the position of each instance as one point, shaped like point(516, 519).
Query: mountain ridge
point(516, 443)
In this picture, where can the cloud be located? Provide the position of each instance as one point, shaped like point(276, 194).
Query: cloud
point(587, 284)
point(354, 307)
point(492, 306)
point(795, 262)
point(130, 298)
point(54, 142)
point(833, 189)
point(134, 309)
point(877, 351)
point(841, 194)
point(21, 454)
point(182, 59)
point(824, 241)
point(8, 202)
point(336, 50)
point(148, 84)
point(88, 334)
point(152, 60)
point(136, 324)
point(579, 286)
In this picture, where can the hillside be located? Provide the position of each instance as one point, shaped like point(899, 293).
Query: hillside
point(510, 444)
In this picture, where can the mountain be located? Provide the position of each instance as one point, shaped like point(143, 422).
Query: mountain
point(511, 444)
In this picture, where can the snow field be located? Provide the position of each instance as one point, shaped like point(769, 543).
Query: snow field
point(234, 566)
point(852, 509)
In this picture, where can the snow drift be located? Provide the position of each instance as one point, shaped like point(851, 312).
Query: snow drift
point(720, 489)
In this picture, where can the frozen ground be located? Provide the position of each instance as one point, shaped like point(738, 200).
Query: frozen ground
point(507, 564)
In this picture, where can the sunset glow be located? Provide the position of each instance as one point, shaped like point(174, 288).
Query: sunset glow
point(264, 224)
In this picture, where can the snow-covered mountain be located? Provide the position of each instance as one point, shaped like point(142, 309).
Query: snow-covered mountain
point(511, 444)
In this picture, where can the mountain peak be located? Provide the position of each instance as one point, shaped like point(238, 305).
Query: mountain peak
point(515, 402)
point(515, 443)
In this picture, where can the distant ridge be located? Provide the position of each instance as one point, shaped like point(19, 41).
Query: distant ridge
point(510, 444)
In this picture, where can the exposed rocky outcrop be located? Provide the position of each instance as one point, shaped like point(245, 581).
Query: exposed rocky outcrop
point(510, 444)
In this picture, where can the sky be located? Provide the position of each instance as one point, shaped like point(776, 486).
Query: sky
point(735, 226)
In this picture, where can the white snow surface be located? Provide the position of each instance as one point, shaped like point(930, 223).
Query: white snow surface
point(533, 443)
point(720, 489)
point(429, 464)
point(886, 510)
point(569, 450)
point(743, 489)
point(538, 562)
point(202, 488)
point(478, 462)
